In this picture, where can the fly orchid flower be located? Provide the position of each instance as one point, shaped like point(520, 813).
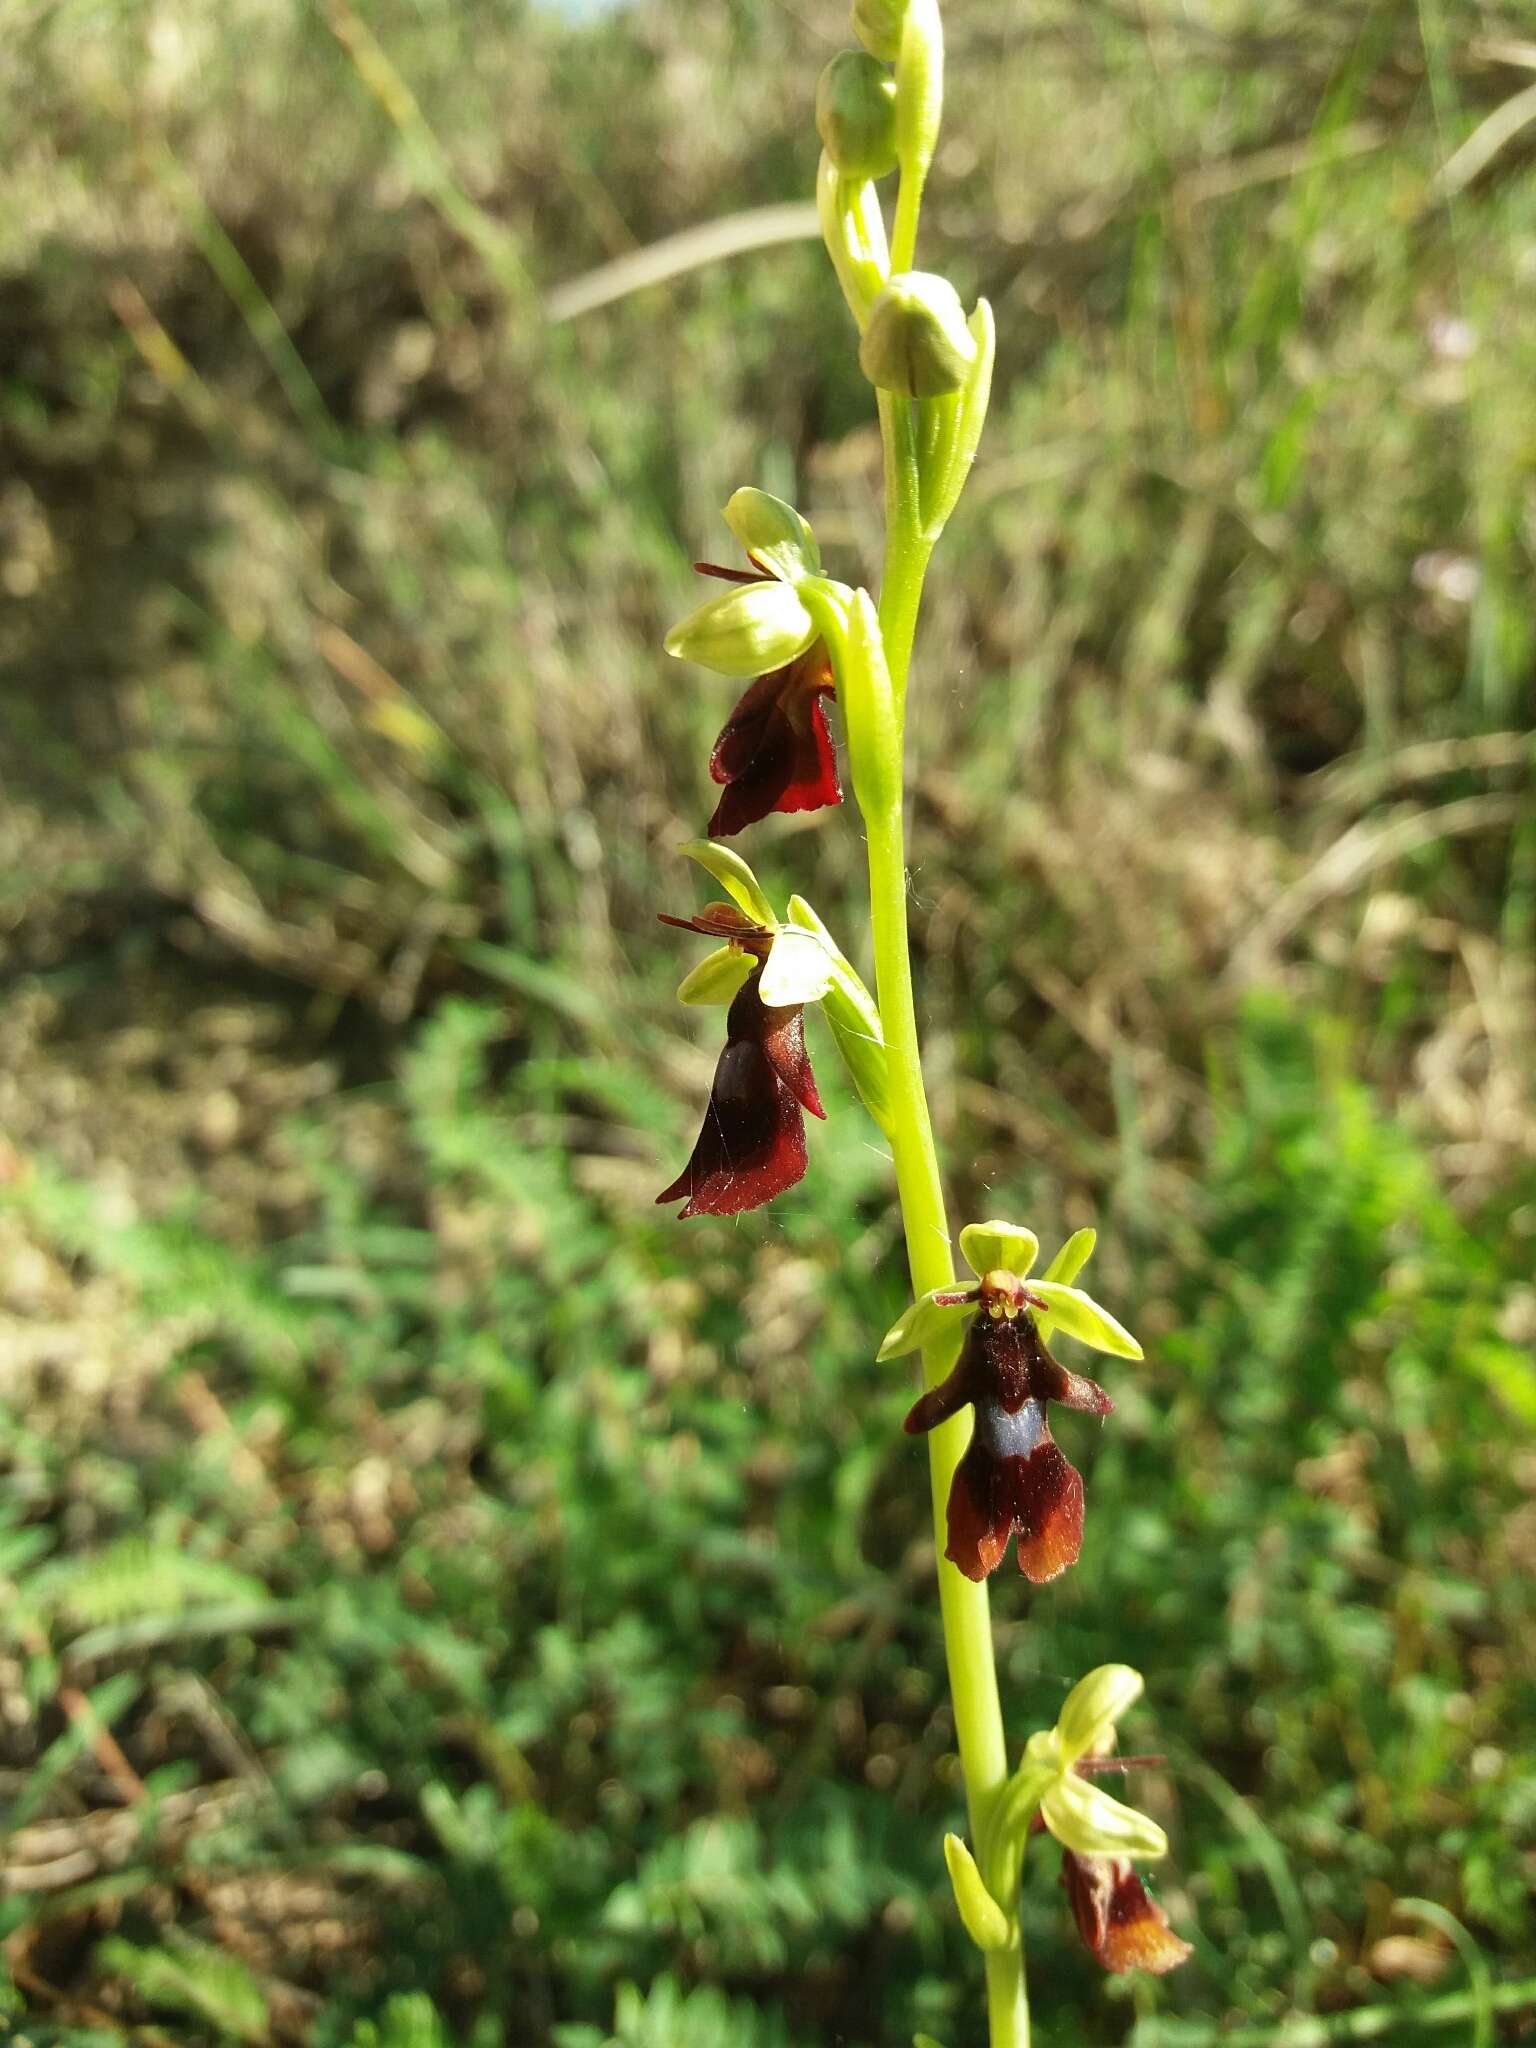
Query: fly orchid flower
point(751, 1146)
point(1122, 1926)
point(1053, 1791)
point(1013, 1475)
point(774, 752)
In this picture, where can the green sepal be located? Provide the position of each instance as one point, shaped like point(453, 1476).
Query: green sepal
point(1081, 1317)
point(851, 1011)
point(877, 24)
point(773, 533)
point(1093, 1706)
point(734, 877)
point(919, 1325)
point(951, 426)
point(717, 978)
point(749, 630)
point(925, 2041)
point(987, 1246)
point(1072, 1257)
point(1085, 1819)
point(983, 1918)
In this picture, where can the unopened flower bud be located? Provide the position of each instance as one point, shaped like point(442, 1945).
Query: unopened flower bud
point(877, 24)
point(917, 342)
point(856, 115)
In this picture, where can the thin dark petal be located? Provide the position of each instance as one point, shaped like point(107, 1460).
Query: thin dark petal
point(942, 1401)
point(1073, 1391)
point(1123, 1928)
point(1046, 1499)
point(753, 575)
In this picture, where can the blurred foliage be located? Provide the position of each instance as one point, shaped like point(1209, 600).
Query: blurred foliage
point(450, 1605)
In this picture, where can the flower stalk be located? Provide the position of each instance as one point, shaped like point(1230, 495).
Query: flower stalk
point(800, 639)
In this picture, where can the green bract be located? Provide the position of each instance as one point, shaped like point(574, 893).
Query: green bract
point(917, 342)
point(856, 115)
point(877, 24)
point(853, 228)
point(773, 534)
point(984, 1919)
point(951, 428)
point(851, 1011)
point(750, 629)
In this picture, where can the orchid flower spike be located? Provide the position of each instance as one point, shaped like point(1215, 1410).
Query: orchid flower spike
point(1013, 1476)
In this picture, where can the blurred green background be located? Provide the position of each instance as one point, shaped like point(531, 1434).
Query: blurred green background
point(446, 1600)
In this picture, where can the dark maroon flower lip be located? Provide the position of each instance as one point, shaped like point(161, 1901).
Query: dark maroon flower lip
point(1122, 1927)
point(775, 752)
point(751, 1145)
point(1013, 1478)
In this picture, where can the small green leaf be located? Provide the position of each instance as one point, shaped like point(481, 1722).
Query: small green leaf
point(717, 978)
point(1081, 1317)
point(734, 877)
point(851, 1011)
point(773, 533)
point(984, 1919)
point(923, 1321)
point(1085, 1819)
point(798, 969)
point(1095, 1704)
point(986, 1246)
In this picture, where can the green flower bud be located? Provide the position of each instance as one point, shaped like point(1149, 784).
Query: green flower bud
point(746, 632)
point(917, 342)
point(856, 115)
point(877, 24)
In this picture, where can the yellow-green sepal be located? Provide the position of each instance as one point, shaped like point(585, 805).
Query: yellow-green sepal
point(1085, 1819)
point(747, 631)
point(987, 1246)
point(851, 1011)
point(1093, 1706)
point(773, 533)
point(717, 978)
point(982, 1917)
point(930, 1316)
point(734, 877)
point(1072, 1257)
point(1081, 1317)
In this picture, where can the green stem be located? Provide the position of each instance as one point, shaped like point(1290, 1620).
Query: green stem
point(963, 1605)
